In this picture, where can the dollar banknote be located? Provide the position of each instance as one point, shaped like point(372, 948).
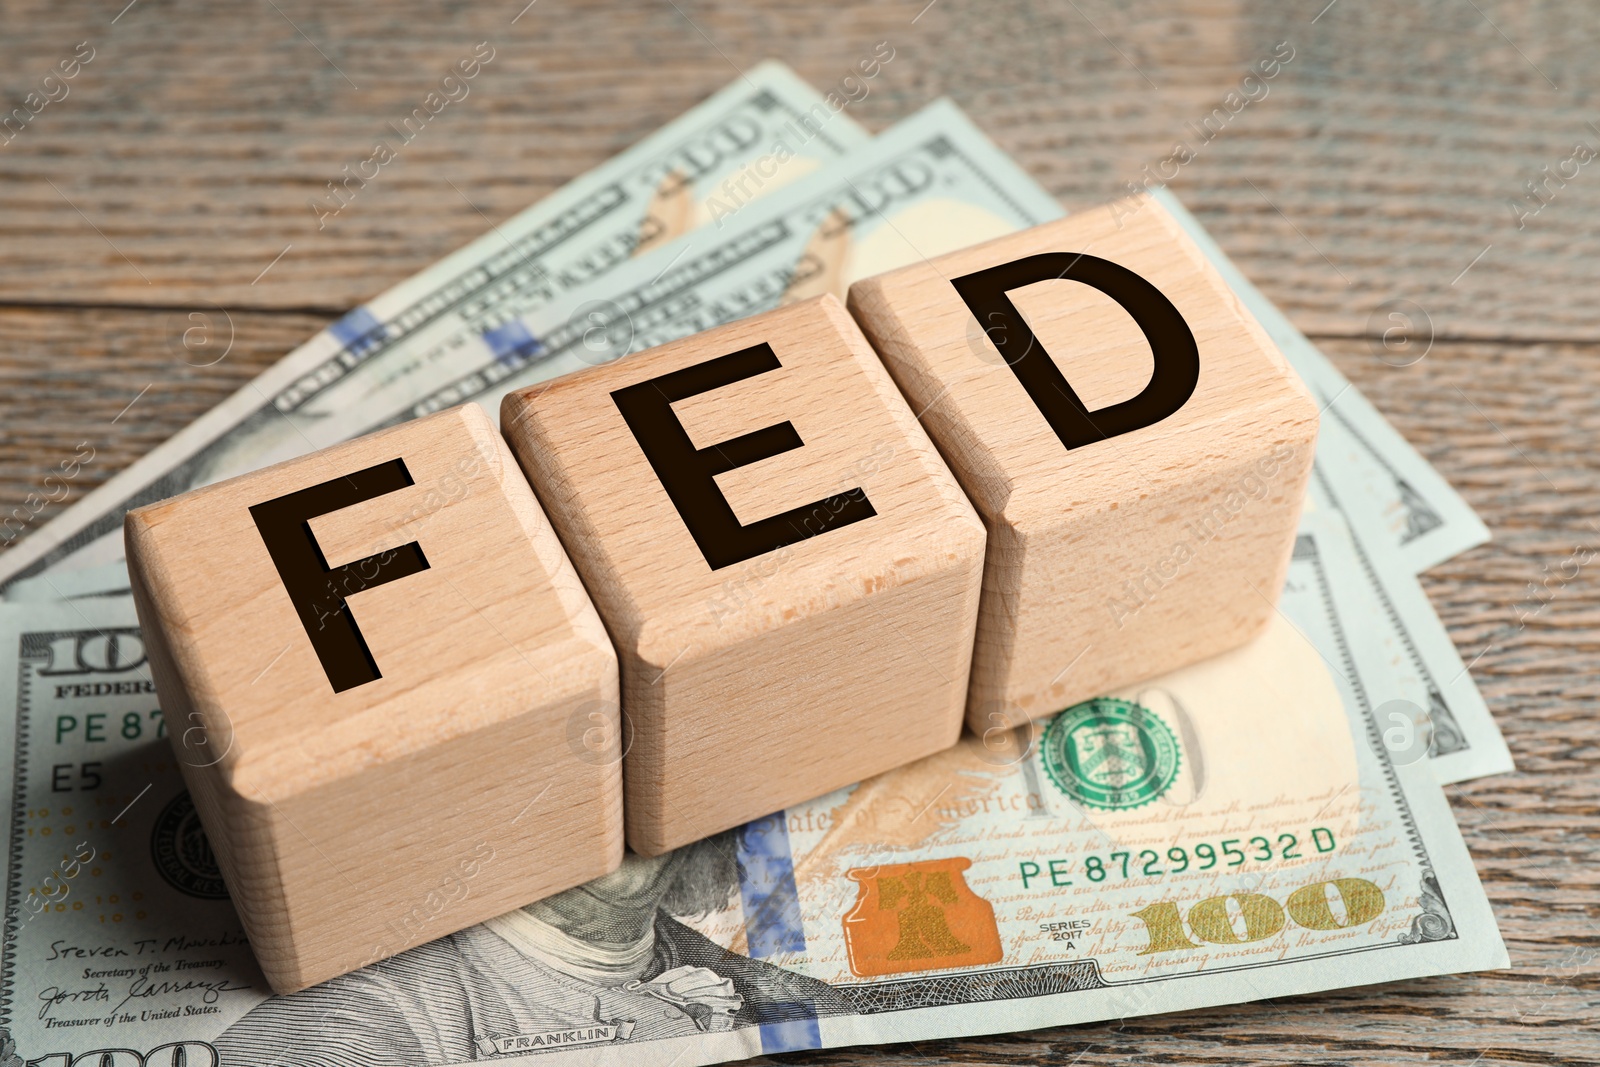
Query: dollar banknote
point(1252, 826)
point(764, 131)
point(1396, 502)
point(930, 184)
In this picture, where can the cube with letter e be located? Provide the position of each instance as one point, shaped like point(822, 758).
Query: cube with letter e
point(382, 678)
point(1136, 445)
point(788, 570)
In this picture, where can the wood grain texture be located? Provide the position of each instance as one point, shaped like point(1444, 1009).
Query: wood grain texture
point(1121, 546)
point(1391, 144)
point(180, 165)
point(316, 727)
point(833, 534)
point(146, 383)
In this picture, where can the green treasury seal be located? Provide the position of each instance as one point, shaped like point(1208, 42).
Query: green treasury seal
point(1110, 754)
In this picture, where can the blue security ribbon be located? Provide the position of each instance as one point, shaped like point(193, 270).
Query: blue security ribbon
point(773, 924)
point(511, 342)
point(359, 330)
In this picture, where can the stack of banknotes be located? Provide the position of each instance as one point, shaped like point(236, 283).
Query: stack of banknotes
point(1299, 841)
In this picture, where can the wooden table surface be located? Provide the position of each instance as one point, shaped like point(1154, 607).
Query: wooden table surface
point(1387, 163)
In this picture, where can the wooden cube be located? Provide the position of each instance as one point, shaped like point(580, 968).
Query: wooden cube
point(384, 683)
point(1136, 445)
point(789, 571)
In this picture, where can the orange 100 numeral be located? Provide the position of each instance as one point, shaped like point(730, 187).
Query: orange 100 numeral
point(1263, 917)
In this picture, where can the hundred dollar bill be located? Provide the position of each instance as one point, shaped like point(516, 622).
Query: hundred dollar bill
point(1440, 715)
point(930, 184)
point(1239, 829)
point(764, 131)
point(1395, 501)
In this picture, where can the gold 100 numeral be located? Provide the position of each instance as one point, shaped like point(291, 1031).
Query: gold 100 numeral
point(1263, 917)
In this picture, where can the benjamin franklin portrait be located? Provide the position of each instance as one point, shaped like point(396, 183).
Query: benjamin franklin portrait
point(607, 962)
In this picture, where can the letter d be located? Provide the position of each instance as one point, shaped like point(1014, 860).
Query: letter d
point(1177, 357)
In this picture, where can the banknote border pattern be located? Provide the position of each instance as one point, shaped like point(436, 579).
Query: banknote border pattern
point(30, 645)
point(1448, 736)
point(974, 987)
point(1430, 897)
point(19, 752)
point(1422, 517)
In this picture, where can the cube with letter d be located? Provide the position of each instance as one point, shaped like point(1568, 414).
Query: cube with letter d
point(387, 690)
point(1136, 445)
point(788, 570)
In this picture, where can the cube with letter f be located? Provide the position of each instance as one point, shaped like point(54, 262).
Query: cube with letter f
point(384, 684)
point(788, 570)
point(1136, 445)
